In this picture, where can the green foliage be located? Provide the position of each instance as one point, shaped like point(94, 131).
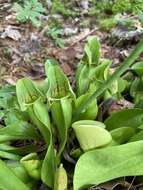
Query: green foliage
point(99, 166)
point(137, 6)
point(59, 6)
point(55, 33)
point(31, 10)
point(44, 115)
point(108, 23)
point(126, 118)
point(121, 6)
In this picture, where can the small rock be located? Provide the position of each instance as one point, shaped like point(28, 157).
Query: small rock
point(84, 4)
point(12, 33)
point(70, 31)
point(49, 4)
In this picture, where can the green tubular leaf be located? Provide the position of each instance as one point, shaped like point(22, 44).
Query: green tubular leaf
point(123, 134)
point(91, 51)
point(133, 56)
point(61, 179)
point(32, 164)
point(18, 130)
point(90, 112)
point(91, 74)
point(99, 166)
point(39, 115)
point(27, 93)
point(59, 86)
point(128, 117)
point(62, 114)
point(91, 136)
point(60, 97)
point(8, 180)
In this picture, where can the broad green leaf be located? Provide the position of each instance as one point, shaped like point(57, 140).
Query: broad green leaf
point(8, 180)
point(99, 166)
point(123, 134)
point(127, 117)
point(89, 122)
point(137, 137)
point(91, 136)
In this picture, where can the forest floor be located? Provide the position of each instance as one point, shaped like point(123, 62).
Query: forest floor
point(24, 48)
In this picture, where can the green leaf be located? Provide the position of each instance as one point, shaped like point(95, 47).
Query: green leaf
point(59, 86)
point(18, 130)
point(122, 135)
point(91, 136)
point(27, 93)
point(39, 115)
point(137, 137)
point(138, 68)
point(125, 118)
point(136, 90)
point(61, 180)
point(91, 74)
point(22, 150)
point(32, 164)
point(99, 166)
point(91, 51)
point(31, 10)
point(60, 96)
point(8, 180)
point(19, 171)
point(134, 55)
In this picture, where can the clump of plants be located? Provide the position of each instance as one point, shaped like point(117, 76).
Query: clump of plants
point(30, 10)
point(50, 133)
point(61, 7)
point(55, 34)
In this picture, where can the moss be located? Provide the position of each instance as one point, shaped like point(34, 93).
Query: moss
point(137, 6)
point(60, 7)
point(107, 24)
point(121, 6)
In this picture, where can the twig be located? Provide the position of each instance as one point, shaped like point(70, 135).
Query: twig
point(131, 183)
point(81, 39)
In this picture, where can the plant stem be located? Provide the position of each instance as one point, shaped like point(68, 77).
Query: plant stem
point(125, 65)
